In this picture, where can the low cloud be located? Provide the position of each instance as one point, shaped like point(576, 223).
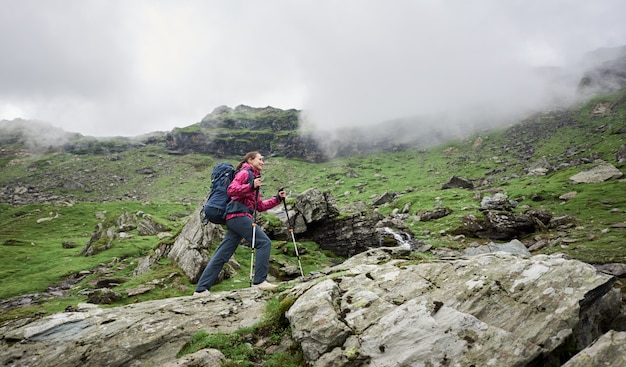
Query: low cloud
point(128, 68)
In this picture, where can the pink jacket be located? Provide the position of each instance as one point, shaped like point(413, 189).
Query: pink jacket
point(240, 190)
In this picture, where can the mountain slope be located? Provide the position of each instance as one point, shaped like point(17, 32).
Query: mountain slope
point(53, 200)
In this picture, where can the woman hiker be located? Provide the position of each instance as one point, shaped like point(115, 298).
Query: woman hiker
point(245, 200)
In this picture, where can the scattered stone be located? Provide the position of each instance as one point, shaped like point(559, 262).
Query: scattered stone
point(498, 201)
point(104, 296)
point(503, 226)
point(73, 185)
point(458, 183)
point(68, 244)
point(602, 172)
point(602, 109)
point(146, 171)
point(425, 216)
point(538, 245)
point(620, 155)
point(139, 290)
point(384, 198)
point(540, 168)
point(537, 197)
point(164, 235)
point(568, 196)
point(563, 222)
point(616, 269)
point(109, 282)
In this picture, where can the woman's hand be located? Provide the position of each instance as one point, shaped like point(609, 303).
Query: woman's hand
point(257, 182)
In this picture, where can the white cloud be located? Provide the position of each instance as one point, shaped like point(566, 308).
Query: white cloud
point(10, 112)
point(130, 67)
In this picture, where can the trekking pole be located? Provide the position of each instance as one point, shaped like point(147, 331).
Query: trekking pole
point(256, 200)
point(295, 246)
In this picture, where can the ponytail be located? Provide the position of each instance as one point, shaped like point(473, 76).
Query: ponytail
point(249, 155)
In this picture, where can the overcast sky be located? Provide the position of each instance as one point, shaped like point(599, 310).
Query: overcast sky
point(128, 67)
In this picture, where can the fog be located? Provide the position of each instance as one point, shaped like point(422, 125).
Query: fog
point(124, 68)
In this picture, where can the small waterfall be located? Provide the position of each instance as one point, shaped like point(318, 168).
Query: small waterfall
point(403, 239)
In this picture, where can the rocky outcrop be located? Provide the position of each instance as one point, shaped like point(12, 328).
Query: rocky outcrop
point(313, 206)
point(494, 309)
point(608, 350)
point(227, 132)
point(237, 143)
point(609, 76)
point(111, 229)
point(349, 235)
point(499, 221)
point(375, 309)
point(501, 226)
point(191, 250)
point(251, 118)
point(143, 334)
point(314, 216)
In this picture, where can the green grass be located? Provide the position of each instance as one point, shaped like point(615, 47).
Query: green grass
point(116, 181)
point(35, 259)
point(240, 347)
point(33, 253)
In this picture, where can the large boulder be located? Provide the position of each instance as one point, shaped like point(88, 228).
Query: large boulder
point(193, 247)
point(504, 225)
point(142, 334)
point(315, 205)
point(488, 310)
point(608, 350)
point(348, 235)
point(514, 247)
point(375, 309)
point(191, 250)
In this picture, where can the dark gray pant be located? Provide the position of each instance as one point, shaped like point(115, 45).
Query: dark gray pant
point(238, 228)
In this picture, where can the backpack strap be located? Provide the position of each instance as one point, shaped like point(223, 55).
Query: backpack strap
point(250, 176)
point(235, 206)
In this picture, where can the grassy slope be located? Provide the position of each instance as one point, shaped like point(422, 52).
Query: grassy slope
point(34, 258)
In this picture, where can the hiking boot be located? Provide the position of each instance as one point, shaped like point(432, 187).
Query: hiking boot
point(266, 286)
point(201, 294)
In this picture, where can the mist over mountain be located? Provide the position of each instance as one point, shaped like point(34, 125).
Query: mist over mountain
point(35, 135)
point(600, 71)
point(466, 111)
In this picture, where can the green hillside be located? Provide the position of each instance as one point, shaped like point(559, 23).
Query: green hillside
point(67, 195)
